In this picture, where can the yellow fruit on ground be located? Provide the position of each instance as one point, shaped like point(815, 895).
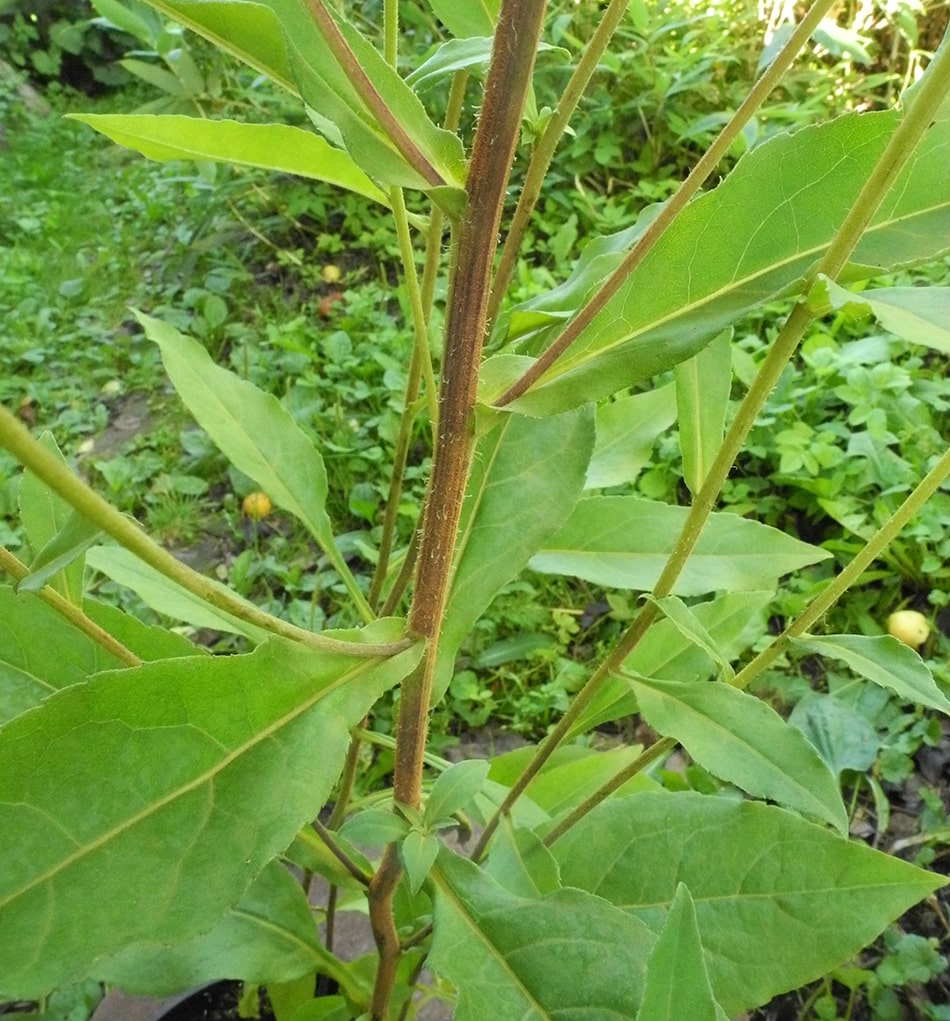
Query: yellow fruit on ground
point(330, 273)
point(909, 627)
point(256, 506)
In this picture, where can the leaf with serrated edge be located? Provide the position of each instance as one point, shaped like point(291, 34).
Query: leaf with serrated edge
point(744, 741)
point(677, 983)
point(279, 147)
point(624, 542)
point(193, 773)
point(779, 901)
point(510, 943)
point(883, 660)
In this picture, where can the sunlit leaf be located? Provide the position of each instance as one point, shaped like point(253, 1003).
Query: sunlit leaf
point(278, 147)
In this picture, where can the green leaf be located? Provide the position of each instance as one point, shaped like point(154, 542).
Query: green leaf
point(624, 542)
point(253, 430)
point(462, 55)
point(166, 596)
point(597, 951)
point(526, 475)
point(40, 652)
point(147, 641)
point(190, 773)
point(375, 827)
point(843, 737)
point(703, 383)
point(677, 982)
point(454, 789)
point(475, 17)
point(280, 39)
point(743, 741)
point(779, 901)
point(268, 936)
point(157, 77)
point(309, 851)
point(278, 147)
point(136, 25)
point(732, 622)
point(520, 862)
point(44, 514)
point(418, 851)
point(627, 428)
point(689, 626)
point(751, 239)
point(883, 660)
point(64, 549)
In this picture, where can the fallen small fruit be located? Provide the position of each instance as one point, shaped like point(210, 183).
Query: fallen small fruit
point(256, 506)
point(330, 273)
point(909, 627)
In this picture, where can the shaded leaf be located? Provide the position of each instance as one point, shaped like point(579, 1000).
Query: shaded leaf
point(64, 549)
point(627, 428)
point(703, 384)
point(476, 17)
point(745, 742)
point(44, 514)
point(520, 862)
point(418, 852)
point(526, 475)
point(454, 789)
point(278, 147)
point(624, 542)
point(843, 737)
point(510, 943)
point(192, 772)
point(268, 936)
point(779, 901)
point(677, 983)
point(883, 660)
point(165, 596)
point(732, 621)
point(40, 652)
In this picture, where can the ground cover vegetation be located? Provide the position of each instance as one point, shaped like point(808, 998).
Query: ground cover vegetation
point(307, 292)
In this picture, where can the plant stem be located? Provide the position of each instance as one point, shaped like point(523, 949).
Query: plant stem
point(917, 118)
point(341, 856)
point(18, 571)
point(697, 177)
point(373, 101)
point(128, 533)
point(836, 588)
point(544, 149)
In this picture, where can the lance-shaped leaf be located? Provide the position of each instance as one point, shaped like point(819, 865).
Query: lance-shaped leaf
point(147, 641)
point(703, 383)
point(40, 652)
point(779, 901)
point(753, 238)
point(44, 515)
point(883, 660)
point(256, 433)
point(677, 983)
point(624, 542)
point(280, 39)
point(268, 936)
point(627, 428)
point(920, 315)
point(510, 944)
point(146, 801)
point(526, 475)
point(62, 555)
point(732, 621)
point(278, 147)
point(744, 741)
